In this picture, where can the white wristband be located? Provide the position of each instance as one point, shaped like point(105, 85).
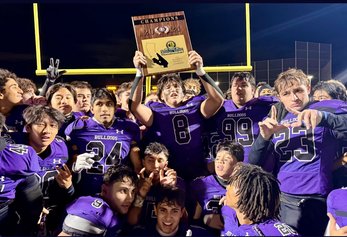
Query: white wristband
point(200, 71)
point(138, 72)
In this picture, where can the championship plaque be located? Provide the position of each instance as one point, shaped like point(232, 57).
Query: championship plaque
point(164, 40)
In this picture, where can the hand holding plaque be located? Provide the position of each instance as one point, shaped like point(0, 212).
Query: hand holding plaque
point(195, 60)
point(164, 41)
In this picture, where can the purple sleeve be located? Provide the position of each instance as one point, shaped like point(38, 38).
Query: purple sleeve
point(16, 162)
point(230, 221)
point(337, 205)
point(93, 209)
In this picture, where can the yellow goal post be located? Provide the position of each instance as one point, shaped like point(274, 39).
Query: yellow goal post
point(103, 71)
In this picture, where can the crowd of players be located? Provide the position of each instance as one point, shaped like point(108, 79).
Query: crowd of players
point(256, 160)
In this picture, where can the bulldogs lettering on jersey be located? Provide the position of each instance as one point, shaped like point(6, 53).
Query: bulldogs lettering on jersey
point(179, 129)
point(303, 170)
point(238, 124)
point(111, 146)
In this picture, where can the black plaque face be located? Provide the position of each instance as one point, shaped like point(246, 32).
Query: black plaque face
point(164, 40)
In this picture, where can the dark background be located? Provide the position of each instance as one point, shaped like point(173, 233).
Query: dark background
point(100, 35)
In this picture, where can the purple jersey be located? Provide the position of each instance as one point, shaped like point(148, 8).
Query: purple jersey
point(16, 162)
point(68, 120)
point(15, 121)
point(180, 130)
point(95, 210)
point(57, 157)
point(80, 114)
point(111, 146)
point(54, 155)
point(337, 205)
point(270, 227)
point(238, 124)
point(306, 156)
point(208, 192)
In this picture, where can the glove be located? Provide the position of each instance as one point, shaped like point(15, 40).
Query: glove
point(53, 72)
point(83, 161)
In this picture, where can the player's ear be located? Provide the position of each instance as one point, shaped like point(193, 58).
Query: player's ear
point(27, 127)
point(104, 190)
point(253, 90)
point(184, 212)
point(1, 96)
point(155, 210)
point(92, 109)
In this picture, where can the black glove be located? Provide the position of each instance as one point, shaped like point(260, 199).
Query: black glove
point(53, 72)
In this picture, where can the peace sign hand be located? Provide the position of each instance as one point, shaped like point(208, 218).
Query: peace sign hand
point(53, 72)
point(270, 125)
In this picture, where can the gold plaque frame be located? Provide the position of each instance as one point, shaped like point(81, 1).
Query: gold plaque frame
point(164, 40)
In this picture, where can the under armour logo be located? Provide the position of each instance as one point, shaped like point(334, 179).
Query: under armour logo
point(2, 178)
point(120, 131)
point(56, 161)
point(248, 108)
point(18, 122)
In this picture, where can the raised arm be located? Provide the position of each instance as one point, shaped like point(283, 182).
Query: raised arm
point(214, 100)
point(53, 74)
point(143, 113)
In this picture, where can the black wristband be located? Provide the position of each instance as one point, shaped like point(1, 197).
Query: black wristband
point(210, 81)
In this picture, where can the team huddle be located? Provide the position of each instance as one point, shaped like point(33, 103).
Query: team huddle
point(186, 160)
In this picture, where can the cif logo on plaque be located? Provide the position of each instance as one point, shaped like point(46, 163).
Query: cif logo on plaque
point(164, 40)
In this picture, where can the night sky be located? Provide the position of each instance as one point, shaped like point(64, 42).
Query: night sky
point(100, 35)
